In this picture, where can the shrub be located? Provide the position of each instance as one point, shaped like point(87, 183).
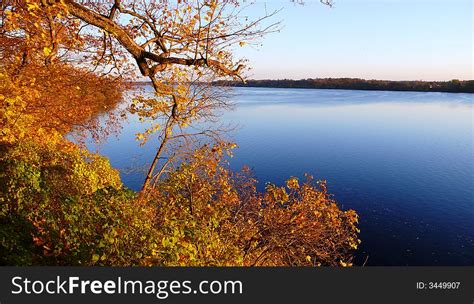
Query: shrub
point(61, 205)
point(209, 216)
point(195, 205)
point(299, 225)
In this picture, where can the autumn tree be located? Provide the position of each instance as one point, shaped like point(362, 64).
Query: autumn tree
point(63, 65)
point(59, 203)
point(177, 45)
point(44, 92)
point(180, 46)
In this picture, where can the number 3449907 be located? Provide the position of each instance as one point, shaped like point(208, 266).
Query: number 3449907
point(438, 285)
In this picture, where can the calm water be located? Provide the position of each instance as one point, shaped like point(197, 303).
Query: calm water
point(403, 160)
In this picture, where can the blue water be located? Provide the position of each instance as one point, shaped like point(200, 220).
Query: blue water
point(403, 160)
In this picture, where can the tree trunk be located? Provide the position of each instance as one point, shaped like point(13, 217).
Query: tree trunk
point(149, 175)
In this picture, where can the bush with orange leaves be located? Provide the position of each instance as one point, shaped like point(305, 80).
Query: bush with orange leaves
point(299, 225)
point(208, 215)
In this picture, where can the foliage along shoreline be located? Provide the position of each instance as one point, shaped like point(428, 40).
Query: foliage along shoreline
point(61, 204)
point(452, 86)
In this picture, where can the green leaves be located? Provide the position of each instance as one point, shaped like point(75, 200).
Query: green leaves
point(76, 206)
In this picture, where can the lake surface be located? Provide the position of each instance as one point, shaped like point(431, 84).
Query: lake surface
point(403, 160)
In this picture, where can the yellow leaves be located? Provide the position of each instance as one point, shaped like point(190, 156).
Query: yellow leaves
point(276, 194)
point(47, 51)
point(196, 216)
point(32, 6)
point(344, 264)
point(292, 183)
point(95, 258)
point(54, 102)
point(212, 4)
point(307, 216)
point(208, 16)
point(198, 222)
point(91, 175)
point(140, 137)
point(110, 239)
point(221, 55)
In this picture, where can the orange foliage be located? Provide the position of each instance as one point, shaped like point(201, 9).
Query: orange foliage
point(60, 68)
point(43, 93)
point(208, 215)
point(300, 225)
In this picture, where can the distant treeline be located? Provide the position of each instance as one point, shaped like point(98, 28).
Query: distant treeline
point(453, 86)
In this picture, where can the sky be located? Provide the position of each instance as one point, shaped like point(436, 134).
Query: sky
point(371, 39)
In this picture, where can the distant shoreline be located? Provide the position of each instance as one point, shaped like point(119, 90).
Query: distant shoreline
point(452, 86)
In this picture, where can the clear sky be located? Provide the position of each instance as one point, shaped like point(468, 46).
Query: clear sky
point(373, 39)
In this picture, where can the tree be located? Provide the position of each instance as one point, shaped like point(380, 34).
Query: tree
point(63, 63)
point(175, 44)
point(44, 93)
point(184, 42)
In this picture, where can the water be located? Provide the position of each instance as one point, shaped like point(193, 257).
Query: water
point(402, 160)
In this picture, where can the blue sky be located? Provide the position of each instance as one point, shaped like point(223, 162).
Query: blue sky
point(373, 39)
